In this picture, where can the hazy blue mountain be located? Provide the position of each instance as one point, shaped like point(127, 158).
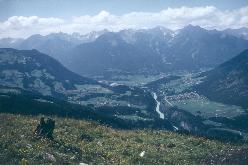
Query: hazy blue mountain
point(10, 42)
point(228, 82)
point(54, 44)
point(137, 51)
point(57, 44)
point(241, 32)
point(111, 52)
point(155, 50)
point(194, 47)
point(125, 51)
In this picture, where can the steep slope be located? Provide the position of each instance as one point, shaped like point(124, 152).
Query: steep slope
point(34, 71)
point(194, 48)
point(228, 83)
point(155, 50)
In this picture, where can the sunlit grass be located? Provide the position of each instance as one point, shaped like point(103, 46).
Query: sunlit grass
point(106, 145)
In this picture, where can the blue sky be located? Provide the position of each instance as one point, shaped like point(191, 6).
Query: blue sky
point(68, 8)
point(22, 18)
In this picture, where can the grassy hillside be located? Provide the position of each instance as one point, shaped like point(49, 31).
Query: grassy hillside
point(101, 144)
point(228, 83)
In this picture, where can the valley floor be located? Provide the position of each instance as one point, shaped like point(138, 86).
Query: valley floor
point(80, 141)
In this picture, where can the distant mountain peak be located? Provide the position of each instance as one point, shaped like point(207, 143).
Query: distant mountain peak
point(192, 28)
point(161, 28)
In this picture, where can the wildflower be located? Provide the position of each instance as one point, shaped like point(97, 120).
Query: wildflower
point(142, 154)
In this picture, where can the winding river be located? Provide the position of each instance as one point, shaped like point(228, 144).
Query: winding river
point(161, 115)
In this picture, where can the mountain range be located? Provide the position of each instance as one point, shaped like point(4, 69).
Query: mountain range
point(137, 51)
point(154, 50)
point(54, 44)
point(129, 51)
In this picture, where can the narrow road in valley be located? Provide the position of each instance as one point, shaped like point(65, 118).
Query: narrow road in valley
point(167, 101)
point(175, 128)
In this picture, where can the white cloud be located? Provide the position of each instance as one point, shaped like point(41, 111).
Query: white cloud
point(174, 18)
point(19, 26)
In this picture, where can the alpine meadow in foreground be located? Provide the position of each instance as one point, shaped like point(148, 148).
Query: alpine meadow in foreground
point(123, 82)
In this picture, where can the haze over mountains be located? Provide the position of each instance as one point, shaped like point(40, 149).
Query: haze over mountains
point(54, 44)
point(138, 51)
point(155, 50)
point(145, 52)
point(241, 33)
